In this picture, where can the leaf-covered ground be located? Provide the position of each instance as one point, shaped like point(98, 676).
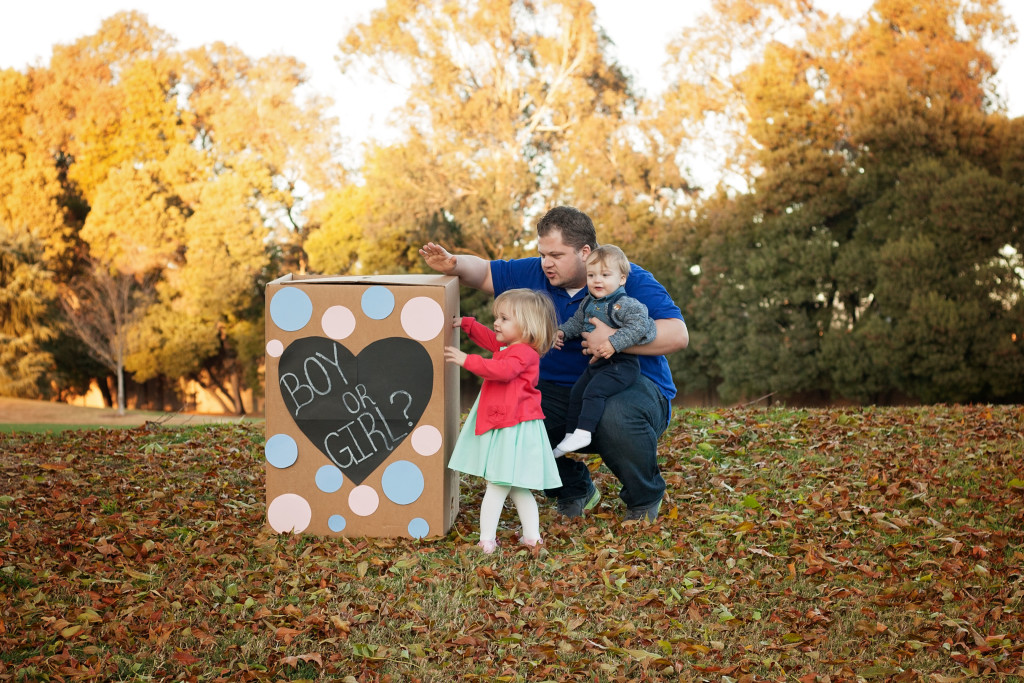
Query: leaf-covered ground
point(794, 545)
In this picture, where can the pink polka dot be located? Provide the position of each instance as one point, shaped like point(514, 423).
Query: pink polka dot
point(338, 322)
point(275, 348)
point(426, 440)
point(363, 500)
point(289, 512)
point(422, 318)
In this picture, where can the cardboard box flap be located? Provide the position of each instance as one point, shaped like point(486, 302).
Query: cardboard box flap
point(413, 280)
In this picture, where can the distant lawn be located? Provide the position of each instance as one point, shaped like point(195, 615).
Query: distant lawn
point(43, 427)
point(41, 417)
point(40, 427)
point(50, 427)
point(805, 546)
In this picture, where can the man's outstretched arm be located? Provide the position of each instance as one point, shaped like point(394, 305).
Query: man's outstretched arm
point(672, 336)
point(472, 271)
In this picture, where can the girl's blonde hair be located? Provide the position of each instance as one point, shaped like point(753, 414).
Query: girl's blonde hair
point(534, 313)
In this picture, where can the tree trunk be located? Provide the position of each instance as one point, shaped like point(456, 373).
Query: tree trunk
point(120, 387)
point(104, 386)
point(236, 389)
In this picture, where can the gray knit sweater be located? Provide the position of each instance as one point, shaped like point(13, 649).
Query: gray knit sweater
point(627, 315)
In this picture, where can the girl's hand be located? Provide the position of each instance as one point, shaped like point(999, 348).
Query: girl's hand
point(559, 339)
point(454, 355)
point(456, 321)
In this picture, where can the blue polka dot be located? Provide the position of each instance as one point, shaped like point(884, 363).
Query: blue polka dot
point(336, 523)
point(281, 451)
point(402, 482)
point(291, 309)
point(329, 478)
point(418, 528)
point(378, 302)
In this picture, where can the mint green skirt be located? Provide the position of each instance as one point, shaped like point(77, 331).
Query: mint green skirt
point(510, 456)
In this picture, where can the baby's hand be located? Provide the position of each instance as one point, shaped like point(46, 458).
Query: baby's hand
point(559, 340)
point(605, 350)
point(454, 355)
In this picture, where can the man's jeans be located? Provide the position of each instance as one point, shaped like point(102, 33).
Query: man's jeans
point(626, 438)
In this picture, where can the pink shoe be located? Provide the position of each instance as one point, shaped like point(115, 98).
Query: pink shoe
point(488, 546)
point(531, 542)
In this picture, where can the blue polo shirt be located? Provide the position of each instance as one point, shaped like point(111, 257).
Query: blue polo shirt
point(564, 366)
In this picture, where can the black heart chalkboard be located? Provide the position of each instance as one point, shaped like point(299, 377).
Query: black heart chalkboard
point(356, 409)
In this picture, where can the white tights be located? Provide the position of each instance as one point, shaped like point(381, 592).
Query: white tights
point(526, 506)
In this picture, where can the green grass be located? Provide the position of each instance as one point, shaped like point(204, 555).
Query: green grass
point(49, 427)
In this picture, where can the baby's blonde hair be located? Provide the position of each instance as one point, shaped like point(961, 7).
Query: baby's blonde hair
point(535, 315)
point(610, 256)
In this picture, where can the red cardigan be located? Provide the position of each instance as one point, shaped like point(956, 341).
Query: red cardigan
point(509, 393)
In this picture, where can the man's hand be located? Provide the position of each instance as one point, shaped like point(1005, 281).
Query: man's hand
point(592, 341)
point(472, 271)
point(672, 336)
point(438, 258)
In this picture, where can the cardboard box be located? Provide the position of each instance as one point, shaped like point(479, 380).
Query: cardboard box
point(362, 410)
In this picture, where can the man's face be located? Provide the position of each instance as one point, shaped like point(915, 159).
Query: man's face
point(562, 266)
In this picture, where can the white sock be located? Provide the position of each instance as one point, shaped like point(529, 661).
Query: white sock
point(490, 510)
point(529, 516)
point(572, 442)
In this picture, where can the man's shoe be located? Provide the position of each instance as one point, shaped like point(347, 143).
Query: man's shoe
point(574, 507)
point(649, 513)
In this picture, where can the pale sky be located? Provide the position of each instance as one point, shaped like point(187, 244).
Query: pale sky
point(310, 30)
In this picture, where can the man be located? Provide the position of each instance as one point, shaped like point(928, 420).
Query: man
point(627, 435)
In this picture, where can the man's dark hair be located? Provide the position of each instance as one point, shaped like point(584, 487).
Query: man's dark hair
point(576, 227)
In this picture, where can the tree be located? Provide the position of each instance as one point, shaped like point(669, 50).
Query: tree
point(946, 285)
point(764, 265)
point(26, 318)
point(512, 107)
point(929, 275)
point(182, 169)
point(103, 309)
point(32, 245)
point(31, 195)
point(852, 258)
point(211, 297)
point(136, 223)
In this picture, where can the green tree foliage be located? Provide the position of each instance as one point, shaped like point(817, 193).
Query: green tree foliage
point(27, 294)
point(871, 250)
point(192, 329)
point(932, 272)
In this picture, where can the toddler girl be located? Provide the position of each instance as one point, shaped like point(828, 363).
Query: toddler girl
point(504, 440)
